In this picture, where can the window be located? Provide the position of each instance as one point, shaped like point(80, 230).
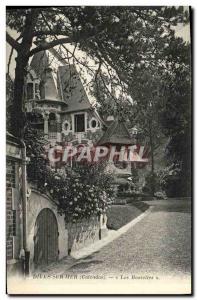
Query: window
point(52, 123)
point(66, 127)
point(37, 91)
point(10, 174)
point(14, 222)
point(79, 123)
point(93, 123)
point(30, 91)
point(52, 135)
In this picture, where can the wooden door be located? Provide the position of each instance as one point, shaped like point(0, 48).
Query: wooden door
point(46, 238)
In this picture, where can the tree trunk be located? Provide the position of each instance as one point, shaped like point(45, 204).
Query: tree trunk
point(17, 112)
point(152, 154)
point(152, 158)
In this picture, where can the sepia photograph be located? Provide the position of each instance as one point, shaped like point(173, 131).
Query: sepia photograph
point(98, 150)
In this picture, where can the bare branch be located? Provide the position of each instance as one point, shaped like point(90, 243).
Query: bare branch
point(9, 61)
point(11, 53)
point(107, 89)
point(48, 32)
point(98, 70)
point(77, 60)
point(12, 42)
point(46, 46)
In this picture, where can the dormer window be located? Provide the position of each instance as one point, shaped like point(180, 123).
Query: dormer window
point(33, 91)
point(37, 91)
point(79, 122)
point(30, 90)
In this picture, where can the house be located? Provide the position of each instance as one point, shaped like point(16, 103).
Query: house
point(66, 112)
point(65, 115)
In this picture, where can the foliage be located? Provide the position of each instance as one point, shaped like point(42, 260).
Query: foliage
point(36, 152)
point(134, 50)
point(164, 110)
point(169, 180)
point(164, 182)
point(80, 192)
point(151, 184)
point(89, 191)
point(176, 123)
point(132, 186)
point(135, 179)
point(160, 195)
point(121, 41)
point(132, 195)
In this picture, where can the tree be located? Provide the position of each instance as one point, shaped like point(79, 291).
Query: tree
point(105, 34)
point(149, 92)
point(135, 51)
point(9, 101)
point(176, 123)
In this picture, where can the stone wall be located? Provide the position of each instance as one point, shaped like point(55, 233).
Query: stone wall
point(82, 234)
point(72, 236)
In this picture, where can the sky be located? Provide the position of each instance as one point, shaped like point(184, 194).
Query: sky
point(183, 31)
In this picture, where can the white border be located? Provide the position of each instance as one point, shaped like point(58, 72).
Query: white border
point(3, 3)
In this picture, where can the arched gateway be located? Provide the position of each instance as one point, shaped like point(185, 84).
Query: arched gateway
point(45, 238)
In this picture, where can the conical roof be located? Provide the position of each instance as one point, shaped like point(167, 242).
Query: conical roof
point(71, 90)
point(40, 64)
point(117, 133)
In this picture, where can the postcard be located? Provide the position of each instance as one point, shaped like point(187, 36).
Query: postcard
point(98, 150)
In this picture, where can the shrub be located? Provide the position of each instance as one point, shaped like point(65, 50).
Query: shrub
point(160, 195)
point(88, 191)
point(169, 179)
point(80, 192)
point(151, 184)
point(132, 185)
